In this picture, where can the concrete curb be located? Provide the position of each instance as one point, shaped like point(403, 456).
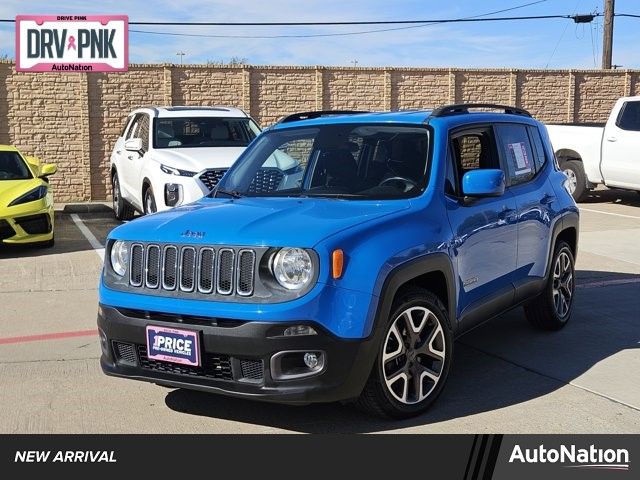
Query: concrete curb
point(89, 207)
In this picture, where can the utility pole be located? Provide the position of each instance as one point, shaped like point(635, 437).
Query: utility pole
point(607, 38)
point(181, 54)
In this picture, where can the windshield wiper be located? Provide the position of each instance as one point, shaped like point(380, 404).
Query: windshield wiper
point(231, 193)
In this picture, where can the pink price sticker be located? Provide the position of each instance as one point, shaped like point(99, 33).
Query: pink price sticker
point(72, 43)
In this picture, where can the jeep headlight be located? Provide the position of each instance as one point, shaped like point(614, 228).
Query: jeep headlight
point(292, 268)
point(119, 257)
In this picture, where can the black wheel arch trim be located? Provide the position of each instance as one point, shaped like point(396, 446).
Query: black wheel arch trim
point(402, 274)
point(570, 219)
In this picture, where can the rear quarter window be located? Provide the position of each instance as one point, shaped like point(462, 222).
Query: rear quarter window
point(517, 153)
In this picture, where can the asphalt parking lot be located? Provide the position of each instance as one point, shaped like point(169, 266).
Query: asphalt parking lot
point(506, 376)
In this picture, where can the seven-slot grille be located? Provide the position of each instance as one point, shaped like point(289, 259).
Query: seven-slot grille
point(225, 271)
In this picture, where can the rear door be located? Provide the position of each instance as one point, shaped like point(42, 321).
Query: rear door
point(484, 229)
point(621, 148)
point(523, 156)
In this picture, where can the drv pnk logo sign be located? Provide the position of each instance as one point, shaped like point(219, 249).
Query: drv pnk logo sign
point(72, 43)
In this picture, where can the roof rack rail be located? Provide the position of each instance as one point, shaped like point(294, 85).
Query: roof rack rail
point(464, 108)
point(294, 117)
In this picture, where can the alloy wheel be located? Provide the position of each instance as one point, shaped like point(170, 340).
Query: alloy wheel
point(414, 355)
point(573, 180)
point(562, 284)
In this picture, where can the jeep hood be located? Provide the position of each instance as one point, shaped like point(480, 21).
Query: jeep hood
point(196, 159)
point(257, 221)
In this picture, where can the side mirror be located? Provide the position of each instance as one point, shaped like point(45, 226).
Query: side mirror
point(47, 169)
point(483, 183)
point(134, 145)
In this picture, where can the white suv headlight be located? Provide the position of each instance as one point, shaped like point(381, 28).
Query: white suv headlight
point(119, 257)
point(292, 268)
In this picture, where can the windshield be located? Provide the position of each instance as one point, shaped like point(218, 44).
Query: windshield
point(364, 161)
point(12, 167)
point(186, 132)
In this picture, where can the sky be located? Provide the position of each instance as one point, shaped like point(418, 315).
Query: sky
point(551, 43)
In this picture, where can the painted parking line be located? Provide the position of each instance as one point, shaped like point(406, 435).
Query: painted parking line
point(608, 213)
point(48, 336)
point(93, 241)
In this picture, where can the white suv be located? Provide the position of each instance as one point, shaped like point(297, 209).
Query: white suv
point(169, 156)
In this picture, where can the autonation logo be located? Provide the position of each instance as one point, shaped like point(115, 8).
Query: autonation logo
point(572, 457)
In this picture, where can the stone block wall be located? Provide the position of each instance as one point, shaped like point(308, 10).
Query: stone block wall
point(73, 119)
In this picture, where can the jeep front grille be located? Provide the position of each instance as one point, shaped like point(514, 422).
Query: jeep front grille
point(192, 269)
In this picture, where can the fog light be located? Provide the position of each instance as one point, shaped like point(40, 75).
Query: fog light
point(172, 194)
point(311, 360)
point(295, 330)
point(104, 344)
point(294, 364)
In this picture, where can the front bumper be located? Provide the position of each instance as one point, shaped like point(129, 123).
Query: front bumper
point(28, 223)
point(236, 358)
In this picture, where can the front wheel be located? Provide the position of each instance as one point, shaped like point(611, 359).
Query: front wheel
point(414, 358)
point(149, 201)
point(121, 209)
point(552, 309)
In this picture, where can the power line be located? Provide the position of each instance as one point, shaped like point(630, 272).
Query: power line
point(329, 23)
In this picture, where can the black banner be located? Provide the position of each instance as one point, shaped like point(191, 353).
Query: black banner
point(466, 457)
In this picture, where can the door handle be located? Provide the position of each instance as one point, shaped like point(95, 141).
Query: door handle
point(611, 139)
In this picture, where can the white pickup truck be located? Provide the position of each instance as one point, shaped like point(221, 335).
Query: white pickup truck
point(606, 154)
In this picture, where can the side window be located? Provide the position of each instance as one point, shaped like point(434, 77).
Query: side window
point(471, 150)
point(517, 152)
point(538, 146)
point(629, 118)
point(143, 131)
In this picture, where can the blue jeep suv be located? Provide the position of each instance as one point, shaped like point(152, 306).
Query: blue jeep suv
point(340, 257)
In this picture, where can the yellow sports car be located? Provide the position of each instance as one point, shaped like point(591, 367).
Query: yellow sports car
point(26, 201)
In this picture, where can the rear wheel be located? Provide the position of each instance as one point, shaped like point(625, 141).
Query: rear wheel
point(414, 358)
point(121, 209)
point(552, 309)
point(574, 171)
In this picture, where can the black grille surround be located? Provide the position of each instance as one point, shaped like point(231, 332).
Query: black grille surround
point(6, 230)
point(211, 177)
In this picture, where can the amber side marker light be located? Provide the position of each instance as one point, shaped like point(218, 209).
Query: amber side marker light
point(337, 263)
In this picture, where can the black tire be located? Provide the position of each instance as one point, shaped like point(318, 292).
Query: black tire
point(575, 171)
point(149, 201)
point(542, 311)
point(121, 209)
point(378, 397)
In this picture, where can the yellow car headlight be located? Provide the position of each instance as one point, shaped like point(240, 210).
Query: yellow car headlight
point(31, 196)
